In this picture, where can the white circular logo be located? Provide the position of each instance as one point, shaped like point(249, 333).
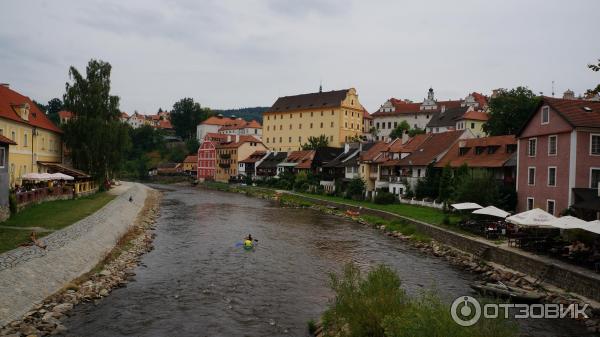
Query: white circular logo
point(469, 312)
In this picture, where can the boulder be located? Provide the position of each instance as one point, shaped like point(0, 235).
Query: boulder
point(62, 308)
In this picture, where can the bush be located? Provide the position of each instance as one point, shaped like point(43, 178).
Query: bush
point(355, 189)
point(384, 197)
point(12, 203)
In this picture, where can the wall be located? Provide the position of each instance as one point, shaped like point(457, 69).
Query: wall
point(30, 274)
point(585, 160)
point(562, 275)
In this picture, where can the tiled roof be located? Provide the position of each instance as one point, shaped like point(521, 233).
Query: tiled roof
point(573, 111)
point(124, 115)
point(479, 98)
point(367, 115)
point(273, 159)
point(373, 152)
point(497, 158)
point(191, 159)
point(428, 151)
point(476, 116)
point(165, 124)
point(410, 145)
point(315, 100)
point(235, 144)
point(254, 157)
point(215, 136)
point(240, 124)
point(65, 114)
point(4, 140)
point(9, 99)
point(447, 118)
point(218, 120)
point(304, 158)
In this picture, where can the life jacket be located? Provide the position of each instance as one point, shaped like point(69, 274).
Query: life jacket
point(248, 243)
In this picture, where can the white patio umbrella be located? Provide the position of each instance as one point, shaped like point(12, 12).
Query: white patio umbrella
point(493, 211)
point(466, 205)
point(568, 222)
point(61, 176)
point(532, 218)
point(34, 176)
point(592, 226)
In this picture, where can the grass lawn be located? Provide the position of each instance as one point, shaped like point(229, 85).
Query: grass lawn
point(52, 215)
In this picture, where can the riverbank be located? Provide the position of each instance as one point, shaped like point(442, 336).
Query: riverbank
point(81, 263)
point(472, 254)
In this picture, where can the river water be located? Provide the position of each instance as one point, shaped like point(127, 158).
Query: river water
point(196, 282)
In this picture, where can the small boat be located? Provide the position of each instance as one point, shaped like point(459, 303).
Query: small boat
point(501, 290)
point(352, 213)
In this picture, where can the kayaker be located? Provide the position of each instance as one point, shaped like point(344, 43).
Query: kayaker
point(249, 237)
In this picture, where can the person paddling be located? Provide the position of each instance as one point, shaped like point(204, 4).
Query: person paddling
point(248, 241)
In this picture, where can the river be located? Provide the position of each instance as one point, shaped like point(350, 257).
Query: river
point(196, 282)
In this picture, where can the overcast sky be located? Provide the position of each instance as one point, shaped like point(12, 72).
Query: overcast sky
point(231, 54)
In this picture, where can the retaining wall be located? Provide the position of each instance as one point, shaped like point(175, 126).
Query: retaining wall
point(30, 274)
point(568, 277)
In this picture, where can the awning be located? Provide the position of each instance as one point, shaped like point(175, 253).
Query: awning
point(493, 211)
point(60, 168)
point(36, 176)
point(61, 176)
point(593, 226)
point(466, 205)
point(532, 218)
point(568, 222)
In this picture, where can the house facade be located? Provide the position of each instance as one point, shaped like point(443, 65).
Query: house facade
point(242, 127)
point(213, 124)
point(38, 140)
point(291, 120)
point(207, 160)
point(559, 157)
point(5, 143)
point(190, 164)
point(229, 154)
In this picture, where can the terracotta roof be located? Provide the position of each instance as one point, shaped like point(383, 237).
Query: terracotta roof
point(65, 114)
point(242, 139)
point(367, 115)
point(410, 145)
point(479, 98)
point(304, 158)
point(165, 124)
point(124, 115)
point(428, 151)
point(315, 100)
point(218, 120)
point(253, 124)
point(215, 136)
point(476, 116)
point(254, 157)
point(471, 147)
point(240, 124)
point(403, 107)
point(4, 140)
point(572, 110)
point(9, 99)
point(372, 153)
point(306, 162)
point(191, 159)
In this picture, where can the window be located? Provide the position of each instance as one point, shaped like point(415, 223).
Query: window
point(594, 177)
point(290, 139)
point(545, 115)
point(268, 127)
point(377, 125)
point(331, 124)
point(531, 176)
point(389, 125)
point(300, 139)
point(311, 114)
point(472, 125)
point(532, 147)
point(321, 113)
point(281, 127)
point(25, 140)
point(479, 150)
point(311, 125)
point(462, 151)
point(300, 126)
point(529, 203)
point(550, 206)
point(2, 157)
point(321, 125)
point(290, 126)
point(552, 145)
point(551, 176)
point(331, 138)
point(280, 139)
point(595, 144)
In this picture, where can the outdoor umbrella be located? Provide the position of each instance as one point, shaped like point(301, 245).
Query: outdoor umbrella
point(34, 176)
point(532, 218)
point(592, 226)
point(61, 176)
point(466, 205)
point(568, 222)
point(493, 211)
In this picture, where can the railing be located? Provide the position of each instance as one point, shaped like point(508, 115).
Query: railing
point(41, 194)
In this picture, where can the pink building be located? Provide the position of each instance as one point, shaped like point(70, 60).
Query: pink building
point(207, 156)
point(558, 163)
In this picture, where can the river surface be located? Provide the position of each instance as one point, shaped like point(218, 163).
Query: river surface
point(196, 282)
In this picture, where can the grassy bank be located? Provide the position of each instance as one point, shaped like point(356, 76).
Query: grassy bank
point(50, 216)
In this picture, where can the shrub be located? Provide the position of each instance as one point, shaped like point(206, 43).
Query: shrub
point(384, 197)
point(312, 326)
point(355, 189)
point(12, 203)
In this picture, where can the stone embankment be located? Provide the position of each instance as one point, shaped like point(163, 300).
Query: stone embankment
point(81, 263)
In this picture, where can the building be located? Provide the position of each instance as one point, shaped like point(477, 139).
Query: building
point(38, 140)
point(296, 161)
point(267, 167)
point(488, 155)
point(431, 115)
point(231, 152)
point(136, 120)
point(474, 121)
point(368, 126)
point(64, 116)
point(242, 127)
point(213, 124)
point(207, 159)
point(4, 177)
point(293, 119)
point(247, 167)
point(190, 164)
point(558, 163)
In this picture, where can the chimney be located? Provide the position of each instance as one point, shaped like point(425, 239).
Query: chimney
point(6, 85)
point(237, 138)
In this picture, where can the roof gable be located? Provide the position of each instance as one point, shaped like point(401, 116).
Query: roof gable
point(9, 99)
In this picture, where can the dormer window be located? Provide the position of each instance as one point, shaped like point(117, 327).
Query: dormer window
point(545, 115)
point(479, 149)
point(463, 151)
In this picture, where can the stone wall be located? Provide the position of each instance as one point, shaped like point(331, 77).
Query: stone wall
point(568, 277)
point(30, 274)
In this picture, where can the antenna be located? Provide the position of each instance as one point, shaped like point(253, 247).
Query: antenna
point(552, 88)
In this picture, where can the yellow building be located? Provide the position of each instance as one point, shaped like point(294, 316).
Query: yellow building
point(38, 139)
point(473, 121)
point(293, 119)
point(231, 152)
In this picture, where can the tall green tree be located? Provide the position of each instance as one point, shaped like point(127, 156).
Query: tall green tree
point(415, 131)
point(400, 130)
point(54, 106)
point(186, 115)
point(509, 111)
point(446, 184)
point(97, 139)
point(316, 142)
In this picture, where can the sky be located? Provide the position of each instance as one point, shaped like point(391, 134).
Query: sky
point(245, 53)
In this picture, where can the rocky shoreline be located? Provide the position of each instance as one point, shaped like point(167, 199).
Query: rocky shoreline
point(114, 271)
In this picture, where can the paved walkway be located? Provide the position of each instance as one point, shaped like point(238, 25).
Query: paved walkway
point(30, 274)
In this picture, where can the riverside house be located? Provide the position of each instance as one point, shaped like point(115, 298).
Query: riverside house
point(231, 151)
point(38, 140)
point(212, 125)
point(293, 119)
point(559, 158)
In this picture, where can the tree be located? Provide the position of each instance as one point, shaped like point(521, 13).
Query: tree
point(145, 139)
point(415, 131)
point(509, 111)
point(316, 142)
point(446, 184)
point(192, 145)
point(97, 139)
point(186, 115)
point(374, 132)
point(593, 92)
point(400, 130)
point(355, 189)
point(54, 106)
point(429, 186)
